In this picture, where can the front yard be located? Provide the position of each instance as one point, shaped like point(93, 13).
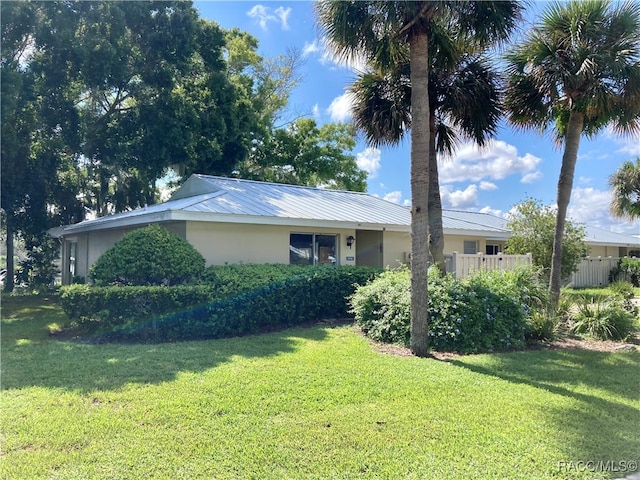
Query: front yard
point(315, 402)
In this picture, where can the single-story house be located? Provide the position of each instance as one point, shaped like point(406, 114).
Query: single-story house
point(241, 221)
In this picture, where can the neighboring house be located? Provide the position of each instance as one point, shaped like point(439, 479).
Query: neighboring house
point(242, 221)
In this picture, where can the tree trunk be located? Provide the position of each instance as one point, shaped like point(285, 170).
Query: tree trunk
point(419, 57)
point(436, 233)
point(8, 281)
point(565, 185)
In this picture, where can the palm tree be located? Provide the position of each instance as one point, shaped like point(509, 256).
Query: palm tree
point(579, 69)
point(625, 183)
point(391, 33)
point(463, 97)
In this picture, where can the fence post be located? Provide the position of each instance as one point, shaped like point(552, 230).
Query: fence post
point(454, 264)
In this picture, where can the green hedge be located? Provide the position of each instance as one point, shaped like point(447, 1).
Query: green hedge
point(209, 311)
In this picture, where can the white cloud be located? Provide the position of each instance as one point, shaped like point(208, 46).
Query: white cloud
point(283, 15)
point(492, 211)
point(531, 177)
point(369, 161)
point(591, 207)
point(340, 108)
point(488, 186)
point(395, 196)
point(316, 111)
point(310, 48)
point(630, 146)
point(263, 16)
point(584, 180)
point(494, 162)
point(459, 199)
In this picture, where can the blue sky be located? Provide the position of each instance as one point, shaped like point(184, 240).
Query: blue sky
point(516, 166)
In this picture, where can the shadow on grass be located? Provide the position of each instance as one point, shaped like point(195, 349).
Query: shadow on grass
point(601, 391)
point(31, 357)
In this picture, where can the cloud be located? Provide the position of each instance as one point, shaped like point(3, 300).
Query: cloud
point(494, 162)
point(591, 207)
point(459, 199)
point(488, 186)
point(395, 196)
point(531, 177)
point(340, 108)
point(492, 211)
point(263, 16)
point(310, 48)
point(369, 161)
point(316, 111)
point(631, 147)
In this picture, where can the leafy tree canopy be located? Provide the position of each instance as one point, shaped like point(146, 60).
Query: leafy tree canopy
point(532, 228)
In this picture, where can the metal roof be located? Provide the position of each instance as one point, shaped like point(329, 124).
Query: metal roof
point(221, 199)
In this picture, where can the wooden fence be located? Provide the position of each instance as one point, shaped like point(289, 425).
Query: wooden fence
point(462, 265)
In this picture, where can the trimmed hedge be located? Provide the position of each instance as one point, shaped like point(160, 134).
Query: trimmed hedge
point(204, 311)
point(148, 256)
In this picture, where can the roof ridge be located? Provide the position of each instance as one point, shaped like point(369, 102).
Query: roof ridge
point(307, 187)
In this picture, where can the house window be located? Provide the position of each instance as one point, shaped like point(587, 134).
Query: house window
point(312, 249)
point(492, 249)
point(471, 247)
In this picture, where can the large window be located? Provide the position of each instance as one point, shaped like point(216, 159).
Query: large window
point(313, 249)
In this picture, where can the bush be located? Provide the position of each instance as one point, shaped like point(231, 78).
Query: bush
point(631, 267)
point(201, 311)
point(605, 320)
point(237, 278)
point(149, 256)
point(485, 313)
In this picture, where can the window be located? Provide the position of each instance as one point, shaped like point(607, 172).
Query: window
point(492, 249)
point(312, 249)
point(470, 246)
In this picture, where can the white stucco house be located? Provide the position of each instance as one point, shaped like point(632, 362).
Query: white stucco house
point(242, 221)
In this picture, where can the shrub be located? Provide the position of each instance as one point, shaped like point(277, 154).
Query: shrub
point(605, 320)
point(631, 267)
point(382, 307)
point(485, 313)
point(149, 256)
point(237, 278)
point(200, 311)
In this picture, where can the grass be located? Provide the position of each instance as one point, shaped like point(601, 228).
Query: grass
point(303, 403)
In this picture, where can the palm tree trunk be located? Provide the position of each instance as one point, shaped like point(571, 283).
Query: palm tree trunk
point(436, 233)
point(565, 185)
point(419, 57)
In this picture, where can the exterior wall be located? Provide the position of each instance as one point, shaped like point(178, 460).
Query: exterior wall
point(455, 243)
point(222, 243)
point(396, 246)
point(607, 251)
point(90, 246)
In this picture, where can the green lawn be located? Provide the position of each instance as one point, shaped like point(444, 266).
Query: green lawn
point(304, 403)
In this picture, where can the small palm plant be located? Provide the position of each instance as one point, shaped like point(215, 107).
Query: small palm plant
point(603, 319)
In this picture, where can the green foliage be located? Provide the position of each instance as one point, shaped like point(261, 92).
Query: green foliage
point(228, 280)
point(631, 266)
point(489, 311)
point(605, 320)
point(625, 186)
point(381, 307)
point(149, 256)
point(532, 229)
point(211, 310)
point(305, 154)
point(623, 289)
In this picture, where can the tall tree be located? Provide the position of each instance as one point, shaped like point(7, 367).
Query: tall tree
point(625, 186)
point(388, 33)
point(305, 154)
point(578, 69)
point(464, 99)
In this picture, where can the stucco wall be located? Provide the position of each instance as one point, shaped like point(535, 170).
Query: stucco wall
point(222, 243)
point(396, 245)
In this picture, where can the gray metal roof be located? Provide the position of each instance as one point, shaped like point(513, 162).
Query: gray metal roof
point(221, 199)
